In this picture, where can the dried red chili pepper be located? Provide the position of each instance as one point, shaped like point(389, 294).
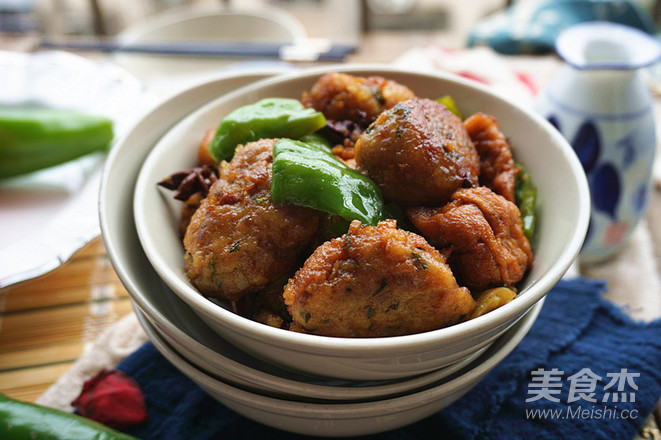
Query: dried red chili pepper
point(112, 398)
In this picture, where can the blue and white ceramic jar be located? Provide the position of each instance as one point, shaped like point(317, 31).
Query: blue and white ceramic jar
point(600, 103)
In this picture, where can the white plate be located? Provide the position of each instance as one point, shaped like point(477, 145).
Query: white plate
point(48, 215)
point(351, 419)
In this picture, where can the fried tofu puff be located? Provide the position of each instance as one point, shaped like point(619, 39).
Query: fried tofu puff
point(484, 233)
point(340, 96)
point(419, 153)
point(238, 240)
point(375, 281)
point(350, 103)
point(497, 168)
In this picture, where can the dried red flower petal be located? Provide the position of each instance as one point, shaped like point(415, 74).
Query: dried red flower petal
point(112, 398)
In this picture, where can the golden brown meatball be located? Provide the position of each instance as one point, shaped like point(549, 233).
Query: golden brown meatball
point(340, 96)
point(485, 235)
point(238, 240)
point(350, 103)
point(497, 169)
point(375, 281)
point(419, 153)
point(267, 305)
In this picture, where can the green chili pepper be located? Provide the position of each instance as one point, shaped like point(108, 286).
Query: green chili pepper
point(332, 226)
point(268, 118)
point(318, 141)
point(525, 195)
point(449, 103)
point(306, 176)
point(22, 420)
point(34, 138)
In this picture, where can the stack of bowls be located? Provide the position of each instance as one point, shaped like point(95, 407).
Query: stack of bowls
point(306, 383)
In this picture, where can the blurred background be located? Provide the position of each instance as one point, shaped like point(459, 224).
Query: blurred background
point(448, 22)
point(343, 20)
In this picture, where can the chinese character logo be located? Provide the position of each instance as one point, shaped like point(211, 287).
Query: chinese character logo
point(619, 381)
point(545, 384)
point(582, 385)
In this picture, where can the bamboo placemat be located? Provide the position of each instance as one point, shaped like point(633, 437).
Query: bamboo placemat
point(46, 323)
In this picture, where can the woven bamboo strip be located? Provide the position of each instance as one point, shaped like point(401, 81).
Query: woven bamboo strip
point(43, 327)
point(40, 296)
point(29, 383)
point(44, 355)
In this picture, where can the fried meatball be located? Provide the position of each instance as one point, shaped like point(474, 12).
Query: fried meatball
point(267, 305)
point(419, 153)
point(341, 97)
point(238, 240)
point(350, 103)
point(375, 281)
point(497, 169)
point(485, 236)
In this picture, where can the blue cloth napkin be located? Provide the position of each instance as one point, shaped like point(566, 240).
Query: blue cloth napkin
point(584, 371)
point(531, 26)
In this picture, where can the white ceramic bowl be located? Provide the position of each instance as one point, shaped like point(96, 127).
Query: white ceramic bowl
point(562, 223)
point(174, 321)
point(170, 316)
point(196, 342)
point(351, 419)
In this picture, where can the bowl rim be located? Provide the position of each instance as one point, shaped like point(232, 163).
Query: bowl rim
point(348, 410)
point(242, 376)
point(228, 369)
point(367, 347)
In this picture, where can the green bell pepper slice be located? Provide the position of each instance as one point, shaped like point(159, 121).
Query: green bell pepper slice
point(318, 141)
point(27, 421)
point(451, 105)
point(305, 175)
point(525, 196)
point(268, 118)
point(34, 138)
